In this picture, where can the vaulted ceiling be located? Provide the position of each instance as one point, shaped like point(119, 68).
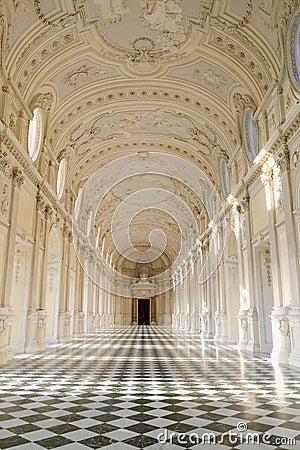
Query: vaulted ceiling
point(147, 80)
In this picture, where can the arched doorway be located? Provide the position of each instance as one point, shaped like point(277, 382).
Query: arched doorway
point(143, 311)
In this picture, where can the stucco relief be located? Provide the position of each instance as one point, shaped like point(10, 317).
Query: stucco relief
point(112, 11)
point(166, 17)
point(209, 77)
point(82, 74)
point(164, 122)
point(265, 11)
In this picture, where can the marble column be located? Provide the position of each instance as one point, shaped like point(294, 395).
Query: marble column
point(64, 316)
point(283, 161)
point(36, 316)
point(253, 332)
point(79, 318)
point(281, 342)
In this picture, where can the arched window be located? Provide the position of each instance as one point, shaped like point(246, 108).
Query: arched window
point(35, 134)
point(61, 178)
point(294, 50)
point(250, 134)
point(225, 180)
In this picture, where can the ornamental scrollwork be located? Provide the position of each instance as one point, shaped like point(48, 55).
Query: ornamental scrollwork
point(287, 9)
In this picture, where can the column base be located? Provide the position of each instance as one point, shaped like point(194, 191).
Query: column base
point(195, 323)
point(206, 319)
point(243, 330)
point(90, 322)
point(221, 327)
point(78, 324)
point(253, 342)
point(119, 319)
point(63, 327)
point(281, 335)
point(5, 323)
point(36, 331)
point(294, 320)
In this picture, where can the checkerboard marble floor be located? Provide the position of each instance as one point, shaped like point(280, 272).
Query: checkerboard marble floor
point(122, 388)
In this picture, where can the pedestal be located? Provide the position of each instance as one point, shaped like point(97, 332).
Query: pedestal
point(253, 341)
point(218, 334)
point(36, 331)
point(221, 335)
point(90, 322)
point(206, 320)
point(78, 324)
point(294, 320)
point(281, 335)
point(243, 329)
point(63, 327)
point(5, 326)
point(195, 323)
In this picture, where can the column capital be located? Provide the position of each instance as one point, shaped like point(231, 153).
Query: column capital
point(244, 204)
point(267, 176)
point(283, 159)
point(242, 101)
point(17, 177)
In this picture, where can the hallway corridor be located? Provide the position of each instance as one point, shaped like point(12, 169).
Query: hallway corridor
point(122, 387)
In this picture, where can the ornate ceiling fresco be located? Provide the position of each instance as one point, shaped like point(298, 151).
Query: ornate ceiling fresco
point(127, 79)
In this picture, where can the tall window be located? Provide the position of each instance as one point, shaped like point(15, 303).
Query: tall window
point(294, 50)
point(250, 135)
point(35, 134)
point(61, 177)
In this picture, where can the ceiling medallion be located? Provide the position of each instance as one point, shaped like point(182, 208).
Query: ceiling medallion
point(142, 59)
